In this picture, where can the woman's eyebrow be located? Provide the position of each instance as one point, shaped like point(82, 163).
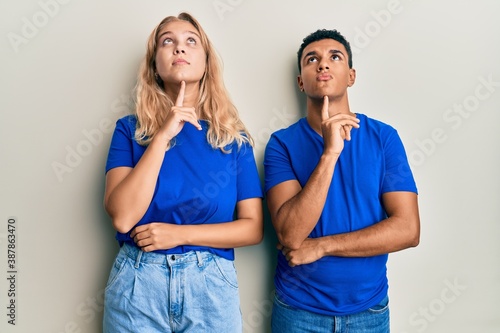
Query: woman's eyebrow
point(187, 31)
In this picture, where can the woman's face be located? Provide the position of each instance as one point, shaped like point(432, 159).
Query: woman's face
point(179, 54)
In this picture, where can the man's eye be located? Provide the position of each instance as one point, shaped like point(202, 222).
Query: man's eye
point(335, 57)
point(311, 59)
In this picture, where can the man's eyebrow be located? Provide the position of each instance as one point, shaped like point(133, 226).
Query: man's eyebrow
point(333, 51)
point(310, 53)
point(337, 51)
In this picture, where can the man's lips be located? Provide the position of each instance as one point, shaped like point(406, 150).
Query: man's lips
point(324, 77)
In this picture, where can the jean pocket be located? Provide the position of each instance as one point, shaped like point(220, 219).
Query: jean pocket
point(381, 307)
point(278, 301)
point(116, 270)
point(227, 271)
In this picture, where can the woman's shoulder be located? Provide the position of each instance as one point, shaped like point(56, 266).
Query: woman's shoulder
point(128, 119)
point(127, 122)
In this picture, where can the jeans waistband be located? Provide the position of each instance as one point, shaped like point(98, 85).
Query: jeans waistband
point(139, 256)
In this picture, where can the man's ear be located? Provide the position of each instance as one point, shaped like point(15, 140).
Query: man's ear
point(300, 83)
point(352, 77)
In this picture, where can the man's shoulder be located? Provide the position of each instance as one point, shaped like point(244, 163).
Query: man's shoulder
point(291, 130)
point(376, 124)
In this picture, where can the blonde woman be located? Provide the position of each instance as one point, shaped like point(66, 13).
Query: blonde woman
point(182, 190)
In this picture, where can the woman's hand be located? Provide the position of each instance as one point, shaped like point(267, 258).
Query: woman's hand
point(177, 117)
point(156, 236)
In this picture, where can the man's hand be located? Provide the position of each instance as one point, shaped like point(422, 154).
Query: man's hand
point(336, 129)
point(309, 252)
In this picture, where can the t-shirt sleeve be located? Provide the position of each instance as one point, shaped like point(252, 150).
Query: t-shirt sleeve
point(398, 175)
point(277, 166)
point(120, 151)
point(248, 180)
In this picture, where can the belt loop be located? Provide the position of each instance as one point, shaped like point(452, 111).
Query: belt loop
point(200, 258)
point(138, 259)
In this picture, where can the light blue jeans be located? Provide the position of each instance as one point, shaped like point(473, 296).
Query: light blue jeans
point(287, 319)
point(192, 292)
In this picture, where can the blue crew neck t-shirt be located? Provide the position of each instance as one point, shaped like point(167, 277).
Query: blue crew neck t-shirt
point(372, 163)
point(197, 184)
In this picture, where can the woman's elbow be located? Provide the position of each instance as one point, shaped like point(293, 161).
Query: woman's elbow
point(256, 239)
point(258, 233)
point(121, 224)
point(254, 231)
point(122, 228)
point(120, 220)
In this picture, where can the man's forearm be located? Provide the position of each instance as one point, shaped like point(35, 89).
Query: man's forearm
point(390, 235)
point(298, 216)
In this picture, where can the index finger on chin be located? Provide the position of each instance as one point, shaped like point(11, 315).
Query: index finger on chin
point(324, 110)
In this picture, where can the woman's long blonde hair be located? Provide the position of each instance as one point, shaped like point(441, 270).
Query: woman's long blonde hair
point(214, 104)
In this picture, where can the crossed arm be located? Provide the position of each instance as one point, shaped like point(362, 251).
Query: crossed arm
point(129, 192)
point(295, 211)
point(126, 200)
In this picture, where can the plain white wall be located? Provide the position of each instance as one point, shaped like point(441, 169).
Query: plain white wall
point(428, 68)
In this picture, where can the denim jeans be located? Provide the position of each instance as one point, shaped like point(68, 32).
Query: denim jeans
point(287, 319)
point(191, 292)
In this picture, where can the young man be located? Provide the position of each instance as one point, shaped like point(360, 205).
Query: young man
point(341, 197)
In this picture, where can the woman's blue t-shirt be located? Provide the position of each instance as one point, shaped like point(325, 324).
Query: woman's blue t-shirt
point(372, 163)
point(197, 184)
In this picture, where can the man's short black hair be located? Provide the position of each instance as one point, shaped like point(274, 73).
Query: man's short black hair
point(325, 34)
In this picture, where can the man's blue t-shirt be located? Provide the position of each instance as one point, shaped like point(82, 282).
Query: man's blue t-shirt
point(372, 163)
point(197, 184)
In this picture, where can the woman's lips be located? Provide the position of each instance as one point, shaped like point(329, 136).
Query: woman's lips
point(180, 61)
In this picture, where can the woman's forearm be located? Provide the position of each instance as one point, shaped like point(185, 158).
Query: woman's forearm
point(132, 189)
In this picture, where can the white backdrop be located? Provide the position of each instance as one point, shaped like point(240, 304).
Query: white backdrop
point(428, 68)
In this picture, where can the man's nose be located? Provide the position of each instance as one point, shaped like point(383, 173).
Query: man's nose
point(322, 66)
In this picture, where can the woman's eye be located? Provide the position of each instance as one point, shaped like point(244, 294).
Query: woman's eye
point(167, 41)
point(191, 40)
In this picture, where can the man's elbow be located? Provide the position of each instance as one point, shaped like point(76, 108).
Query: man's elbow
point(414, 234)
point(414, 241)
point(289, 242)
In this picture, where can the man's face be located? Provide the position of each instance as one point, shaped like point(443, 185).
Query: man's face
point(325, 70)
